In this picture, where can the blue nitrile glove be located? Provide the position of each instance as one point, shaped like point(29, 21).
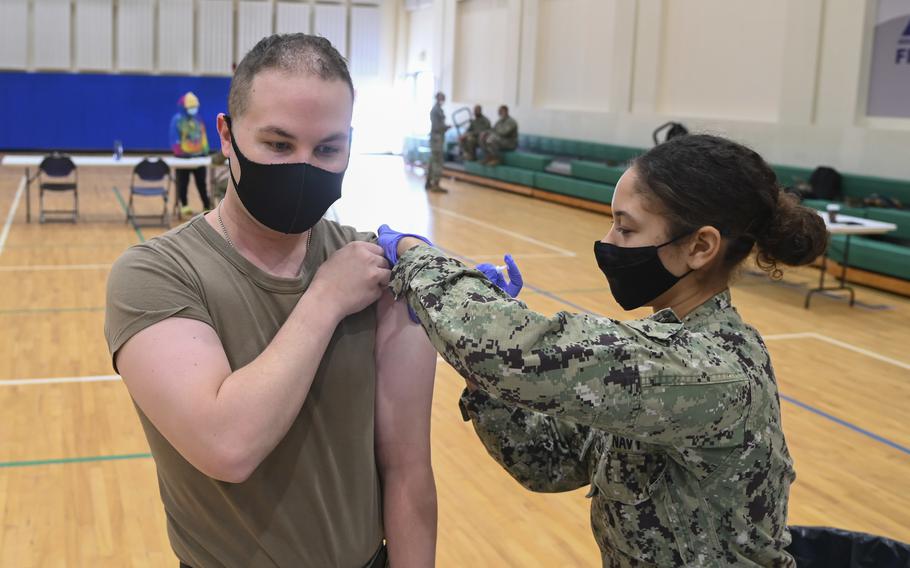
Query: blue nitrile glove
point(494, 274)
point(388, 240)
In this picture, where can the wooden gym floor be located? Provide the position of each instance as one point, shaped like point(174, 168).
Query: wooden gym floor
point(78, 488)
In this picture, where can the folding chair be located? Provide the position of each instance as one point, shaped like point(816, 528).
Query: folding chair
point(57, 167)
point(151, 178)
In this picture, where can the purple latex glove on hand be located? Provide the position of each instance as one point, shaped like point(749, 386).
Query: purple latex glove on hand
point(388, 240)
point(494, 274)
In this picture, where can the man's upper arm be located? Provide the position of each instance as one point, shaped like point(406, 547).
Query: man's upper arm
point(173, 370)
point(405, 369)
point(162, 343)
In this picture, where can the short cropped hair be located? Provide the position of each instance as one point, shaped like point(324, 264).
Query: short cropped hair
point(290, 53)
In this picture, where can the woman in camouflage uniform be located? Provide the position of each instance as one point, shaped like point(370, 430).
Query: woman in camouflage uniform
point(673, 419)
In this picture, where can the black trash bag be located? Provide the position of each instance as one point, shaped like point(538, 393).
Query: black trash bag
point(823, 547)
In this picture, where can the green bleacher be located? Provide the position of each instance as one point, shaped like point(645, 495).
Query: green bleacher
point(591, 170)
point(527, 160)
point(886, 254)
point(573, 187)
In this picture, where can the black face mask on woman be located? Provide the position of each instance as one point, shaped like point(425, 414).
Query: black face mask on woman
point(636, 274)
point(288, 198)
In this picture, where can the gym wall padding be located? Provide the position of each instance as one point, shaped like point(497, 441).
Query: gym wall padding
point(87, 112)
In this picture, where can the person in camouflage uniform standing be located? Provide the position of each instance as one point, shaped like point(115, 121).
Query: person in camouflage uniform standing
point(480, 124)
point(502, 138)
point(438, 129)
point(673, 419)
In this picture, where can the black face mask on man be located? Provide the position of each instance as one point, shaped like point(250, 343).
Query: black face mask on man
point(288, 198)
point(636, 274)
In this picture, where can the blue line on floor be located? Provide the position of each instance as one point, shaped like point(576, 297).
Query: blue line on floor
point(846, 424)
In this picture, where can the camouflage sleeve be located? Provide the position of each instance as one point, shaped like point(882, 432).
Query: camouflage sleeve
point(643, 379)
point(543, 454)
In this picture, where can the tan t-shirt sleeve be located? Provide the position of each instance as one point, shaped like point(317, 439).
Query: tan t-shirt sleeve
point(144, 288)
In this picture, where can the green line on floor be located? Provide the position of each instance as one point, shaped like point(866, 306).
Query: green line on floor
point(116, 457)
point(127, 211)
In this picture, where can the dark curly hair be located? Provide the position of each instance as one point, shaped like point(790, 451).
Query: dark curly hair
point(286, 52)
point(701, 180)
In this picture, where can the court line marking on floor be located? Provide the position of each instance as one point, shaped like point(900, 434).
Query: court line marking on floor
point(513, 234)
point(86, 459)
point(12, 213)
point(58, 380)
point(69, 245)
point(518, 256)
point(846, 424)
point(841, 344)
point(23, 311)
point(126, 211)
point(48, 267)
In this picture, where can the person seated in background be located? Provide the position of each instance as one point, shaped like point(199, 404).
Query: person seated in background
point(503, 137)
point(471, 138)
point(188, 140)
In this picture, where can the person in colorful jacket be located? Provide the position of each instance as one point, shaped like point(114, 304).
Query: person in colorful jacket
point(189, 140)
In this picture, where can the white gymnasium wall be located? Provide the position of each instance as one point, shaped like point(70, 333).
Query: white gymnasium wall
point(420, 39)
point(14, 34)
point(482, 43)
point(176, 40)
point(136, 35)
point(51, 47)
point(574, 30)
point(743, 38)
point(787, 77)
point(330, 21)
point(94, 35)
point(254, 22)
point(215, 37)
point(192, 36)
point(366, 35)
point(292, 17)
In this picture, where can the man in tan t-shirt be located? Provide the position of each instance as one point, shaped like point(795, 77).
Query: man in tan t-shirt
point(284, 394)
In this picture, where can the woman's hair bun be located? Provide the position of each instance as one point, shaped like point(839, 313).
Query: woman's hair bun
point(794, 235)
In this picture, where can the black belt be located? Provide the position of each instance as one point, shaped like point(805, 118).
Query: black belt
point(379, 559)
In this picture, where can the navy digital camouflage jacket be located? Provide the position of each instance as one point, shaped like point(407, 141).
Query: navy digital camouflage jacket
point(675, 424)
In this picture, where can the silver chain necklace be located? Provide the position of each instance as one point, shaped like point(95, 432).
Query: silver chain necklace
point(227, 236)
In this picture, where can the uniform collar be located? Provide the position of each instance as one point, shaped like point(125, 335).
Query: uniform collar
point(717, 307)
